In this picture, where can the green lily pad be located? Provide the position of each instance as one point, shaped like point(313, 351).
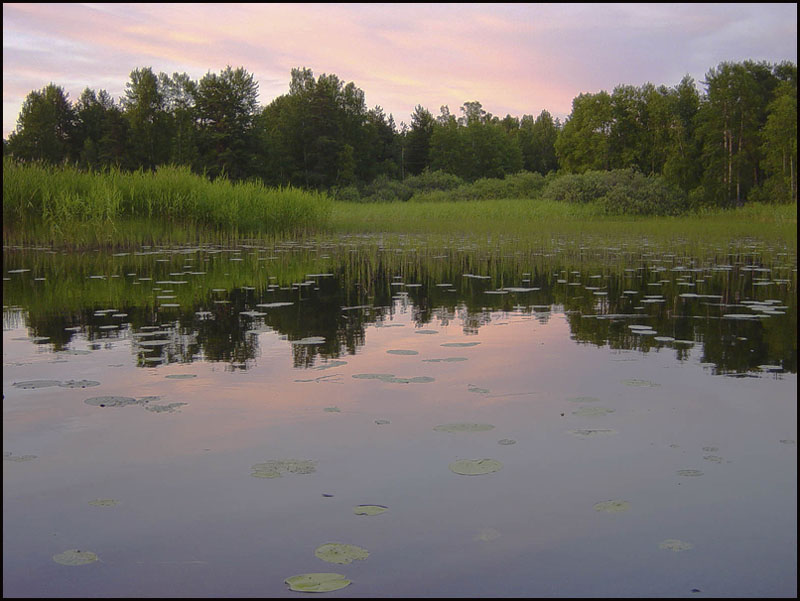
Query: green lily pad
point(168, 408)
point(692, 473)
point(310, 340)
point(33, 384)
point(317, 582)
point(426, 331)
point(472, 388)
point(8, 456)
point(612, 506)
point(373, 376)
point(642, 383)
point(111, 401)
point(675, 545)
point(592, 411)
point(369, 509)
point(587, 433)
point(340, 553)
point(275, 468)
point(75, 557)
point(584, 399)
point(104, 502)
point(460, 344)
point(463, 427)
point(402, 352)
point(446, 360)
point(487, 534)
point(79, 384)
point(506, 441)
point(181, 376)
point(475, 467)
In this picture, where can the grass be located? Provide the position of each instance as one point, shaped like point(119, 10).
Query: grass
point(64, 206)
point(540, 219)
point(67, 208)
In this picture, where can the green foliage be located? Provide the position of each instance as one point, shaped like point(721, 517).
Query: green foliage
point(621, 191)
point(735, 143)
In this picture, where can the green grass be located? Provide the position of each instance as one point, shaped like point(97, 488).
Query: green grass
point(540, 219)
point(67, 207)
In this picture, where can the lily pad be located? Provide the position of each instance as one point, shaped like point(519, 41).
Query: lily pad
point(79, 384)
point(587, 433)
point(181, 376)
point(402, 352)
point(472, 388)
point(8, 456)
point(369, 509)
point(475, 467)
point(169, 408)
point(487, 534)
point(310, 340)
point(317, 582)
point(32, 384)
point(675, 545)
point(460, 344)
point(75, 557)
point(374, 376)
point(463, 427)
point(592, 411)
point(275, 468)
point(340, 553)
point(426, 331)
point(612, 506)
point(104, 502)
point(112, 401)
point(584, 399)
point(506, 441)
point(446, 360)
point(693, 473)
point(641, 383)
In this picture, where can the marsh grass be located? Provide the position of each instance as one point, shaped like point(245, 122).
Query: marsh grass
point(66, 206)
point(543, 219)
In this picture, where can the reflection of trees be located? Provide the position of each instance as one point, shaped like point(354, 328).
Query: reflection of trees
point(368, 287)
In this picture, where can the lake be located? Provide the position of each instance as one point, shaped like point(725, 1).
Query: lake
point(458, 417)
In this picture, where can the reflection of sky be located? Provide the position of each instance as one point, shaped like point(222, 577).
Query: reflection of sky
point(513, 58)
point(189, 507)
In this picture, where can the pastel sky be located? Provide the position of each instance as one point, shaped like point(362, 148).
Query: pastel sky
point(513, 58)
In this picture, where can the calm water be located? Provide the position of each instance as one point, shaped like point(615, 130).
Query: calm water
point(141, 388)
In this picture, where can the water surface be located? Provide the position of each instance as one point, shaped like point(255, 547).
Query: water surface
point(637, 406)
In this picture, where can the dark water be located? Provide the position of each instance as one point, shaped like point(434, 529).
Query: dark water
point(661, 378)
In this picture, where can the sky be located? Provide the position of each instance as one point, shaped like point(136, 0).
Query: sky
point(514, 59)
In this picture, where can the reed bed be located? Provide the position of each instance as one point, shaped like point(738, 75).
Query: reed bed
point(69, 207)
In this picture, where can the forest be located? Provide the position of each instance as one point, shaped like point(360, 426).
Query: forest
point(679, 147)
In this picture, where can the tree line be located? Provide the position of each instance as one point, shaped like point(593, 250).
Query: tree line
point(736, 141)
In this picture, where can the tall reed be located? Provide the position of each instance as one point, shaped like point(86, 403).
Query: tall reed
point(64, 205)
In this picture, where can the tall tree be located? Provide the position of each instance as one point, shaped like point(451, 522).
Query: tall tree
point(584, 142)
point(780, 145)
point(418, 141)
point(226, 106)
point(179, 92)
point(537, 140)
point(45, 127)
point(144, 108)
